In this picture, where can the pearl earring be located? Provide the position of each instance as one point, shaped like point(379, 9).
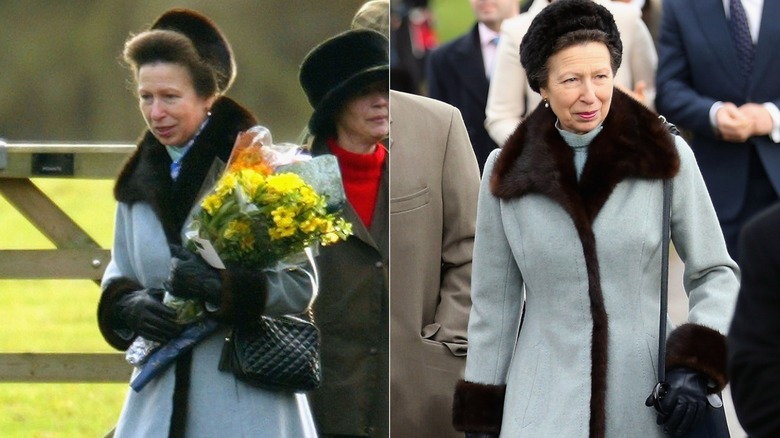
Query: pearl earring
point(546, 103)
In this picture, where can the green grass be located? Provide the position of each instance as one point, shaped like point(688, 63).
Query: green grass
point(56, 316)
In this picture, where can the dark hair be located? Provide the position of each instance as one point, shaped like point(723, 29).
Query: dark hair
point(582, 36)
point(562, 24)
point(167, 46)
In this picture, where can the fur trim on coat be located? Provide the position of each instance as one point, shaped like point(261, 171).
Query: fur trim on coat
point(107, 320)
point(243, 295)
point(478, 407)
point(701, 349)
point(145, 177)
point(633, 143)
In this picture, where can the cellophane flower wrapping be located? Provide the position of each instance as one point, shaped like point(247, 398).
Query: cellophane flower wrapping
point(263, 210)
point(269, 204)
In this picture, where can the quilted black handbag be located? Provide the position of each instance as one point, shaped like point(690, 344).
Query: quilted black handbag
point(278, 353)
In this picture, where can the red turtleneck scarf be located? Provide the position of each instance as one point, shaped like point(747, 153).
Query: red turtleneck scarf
point(361, 174)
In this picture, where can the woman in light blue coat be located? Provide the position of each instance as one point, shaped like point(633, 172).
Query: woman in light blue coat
point(182, 68)
point(569, 234)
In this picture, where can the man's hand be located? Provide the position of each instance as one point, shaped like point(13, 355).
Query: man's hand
point(734, 125)
point(762, 121)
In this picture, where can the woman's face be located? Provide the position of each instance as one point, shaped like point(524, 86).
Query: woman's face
point(579, 86)
point(364, 116)
point(171, 108)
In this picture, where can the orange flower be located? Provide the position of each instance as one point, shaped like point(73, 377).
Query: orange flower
point(245, 156)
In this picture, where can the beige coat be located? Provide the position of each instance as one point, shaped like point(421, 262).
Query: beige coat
point(433, 202)
point(510, 97)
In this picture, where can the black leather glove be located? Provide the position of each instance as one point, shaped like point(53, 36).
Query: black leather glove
point(481, 435)
point(684, 402)
point(144, 313)
point(192, 277)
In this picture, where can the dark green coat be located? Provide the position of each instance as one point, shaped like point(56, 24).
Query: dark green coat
point(351, 311)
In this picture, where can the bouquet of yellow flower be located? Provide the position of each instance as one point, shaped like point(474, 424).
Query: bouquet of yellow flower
point(259, 212)
point(270, 204)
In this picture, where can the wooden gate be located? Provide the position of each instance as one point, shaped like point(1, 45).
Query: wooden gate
point(77, 255)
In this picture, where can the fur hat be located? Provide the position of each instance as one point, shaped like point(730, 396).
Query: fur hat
point(338, 68)
point(208, 40)
point(558, 19)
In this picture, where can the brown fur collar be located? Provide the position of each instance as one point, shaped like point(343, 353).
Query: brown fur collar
point(634, 143)
point(146, 175)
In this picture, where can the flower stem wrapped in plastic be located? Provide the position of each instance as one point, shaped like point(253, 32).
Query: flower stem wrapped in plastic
point(270, 204)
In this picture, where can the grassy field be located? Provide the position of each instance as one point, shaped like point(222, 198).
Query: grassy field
point(56, 316)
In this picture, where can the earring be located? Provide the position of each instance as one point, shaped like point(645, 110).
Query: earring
point(546, 103)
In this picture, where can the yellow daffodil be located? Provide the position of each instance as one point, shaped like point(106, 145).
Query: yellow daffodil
point(255, 217)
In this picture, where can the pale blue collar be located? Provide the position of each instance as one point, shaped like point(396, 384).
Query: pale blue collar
point(578, 141)
point(177, 153)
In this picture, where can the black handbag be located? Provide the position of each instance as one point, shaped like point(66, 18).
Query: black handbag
point(714, 424)
point(277, 353)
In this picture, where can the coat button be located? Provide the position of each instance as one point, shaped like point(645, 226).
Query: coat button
point(373, 351)
point(370, 430)
point(378, 264)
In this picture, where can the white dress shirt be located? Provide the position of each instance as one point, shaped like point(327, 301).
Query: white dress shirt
point(488, 41)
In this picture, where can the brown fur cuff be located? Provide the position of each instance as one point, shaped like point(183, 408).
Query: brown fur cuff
point(107, 320)
point(698, 348)
point(243, 294)
point(478, 407)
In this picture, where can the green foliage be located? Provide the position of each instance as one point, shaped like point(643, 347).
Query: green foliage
point(452, 18)
point(62, 78)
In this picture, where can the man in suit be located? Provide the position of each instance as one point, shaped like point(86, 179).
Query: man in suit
point(433, 210)
point(726, 98)
point(754, 337)
point(510, 97)
point(459, 72)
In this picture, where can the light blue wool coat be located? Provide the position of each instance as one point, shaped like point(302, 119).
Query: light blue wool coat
point(151, 214)
point(219, 404)
point(583, 261)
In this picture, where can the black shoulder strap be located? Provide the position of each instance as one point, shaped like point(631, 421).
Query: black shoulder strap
point(667, 209)
point(669, 126)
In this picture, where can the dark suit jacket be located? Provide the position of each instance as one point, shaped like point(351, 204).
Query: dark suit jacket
point(456, 75)
point(754, 337)
point(697, 67)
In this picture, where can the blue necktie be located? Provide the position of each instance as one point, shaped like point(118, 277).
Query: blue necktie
point(491, 65)
point(740, 32)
